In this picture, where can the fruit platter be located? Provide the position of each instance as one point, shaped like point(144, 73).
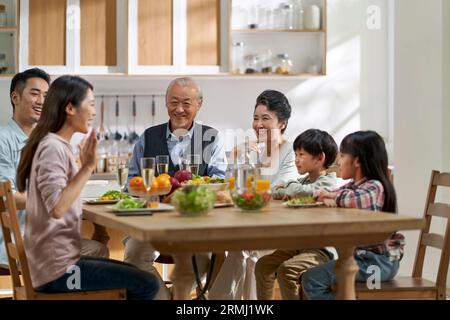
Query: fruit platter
point(210, 183)
point(161, 185)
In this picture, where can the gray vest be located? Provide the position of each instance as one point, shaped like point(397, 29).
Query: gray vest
point(202, 137)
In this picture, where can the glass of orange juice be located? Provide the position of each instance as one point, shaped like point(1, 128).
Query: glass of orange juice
point(231, 181)
point(262, 185)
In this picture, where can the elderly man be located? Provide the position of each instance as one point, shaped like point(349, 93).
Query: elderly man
point(27, 93)
point(178, 138)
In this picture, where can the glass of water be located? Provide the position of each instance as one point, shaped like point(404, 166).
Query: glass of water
point(162, 164)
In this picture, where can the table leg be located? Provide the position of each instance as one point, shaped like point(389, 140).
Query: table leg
point(100, 234)
point(183, 276)
point(346, 269)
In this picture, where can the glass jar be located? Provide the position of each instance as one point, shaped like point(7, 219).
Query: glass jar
point(312, 18)
point(288, 16)
point(251, 63)
point(299, 15)
point(3, 16)
point(238, 58)
point(267, 62)
point(283, 64)
point(3, 64)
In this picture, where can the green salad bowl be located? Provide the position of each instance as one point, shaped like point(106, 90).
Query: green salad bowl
point(193, 201)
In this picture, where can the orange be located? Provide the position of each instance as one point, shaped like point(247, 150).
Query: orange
point(155, 184)
point(163, 181)
point(136, 183)
point(164, 175)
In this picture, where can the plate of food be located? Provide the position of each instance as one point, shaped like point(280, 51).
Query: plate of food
point(303, 202)
point(132, 207)
point(109, 197)
point(210, 183)
point(223, 199)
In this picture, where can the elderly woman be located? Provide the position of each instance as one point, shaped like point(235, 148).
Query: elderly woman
point(236, 278)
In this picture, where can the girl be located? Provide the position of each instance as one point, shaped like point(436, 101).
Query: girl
point(48, 171)
point(364, 160)
point(272, 111)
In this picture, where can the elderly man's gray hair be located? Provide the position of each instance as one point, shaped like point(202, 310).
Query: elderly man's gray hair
point(184, 82)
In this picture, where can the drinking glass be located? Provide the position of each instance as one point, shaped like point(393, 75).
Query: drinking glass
point(148, 174)
point(122, 173)
point(162, 164)
point(194, 163)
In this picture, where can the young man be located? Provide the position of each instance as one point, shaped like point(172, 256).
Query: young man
point(27, 93)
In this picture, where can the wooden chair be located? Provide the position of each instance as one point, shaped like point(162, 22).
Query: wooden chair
point(18, 263)
point(416, 287)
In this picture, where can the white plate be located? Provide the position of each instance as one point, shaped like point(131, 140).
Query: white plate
point(140, 211)
point(307, 205)
point(97, 201)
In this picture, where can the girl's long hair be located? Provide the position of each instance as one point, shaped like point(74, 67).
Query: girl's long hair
point(64, 90)
point(369, 148)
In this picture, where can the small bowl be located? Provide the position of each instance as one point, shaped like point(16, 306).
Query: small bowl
point(193, 201)
point(249, 200)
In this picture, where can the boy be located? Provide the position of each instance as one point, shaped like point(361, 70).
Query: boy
point(315, 152)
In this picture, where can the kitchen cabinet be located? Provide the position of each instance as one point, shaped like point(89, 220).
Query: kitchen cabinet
point(73, 36)
point(262, 33)
point(161, 37)
point(174, 37)
point(9, 33)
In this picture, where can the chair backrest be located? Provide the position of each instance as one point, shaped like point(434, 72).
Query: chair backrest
point(15, 250)
point(428, 239)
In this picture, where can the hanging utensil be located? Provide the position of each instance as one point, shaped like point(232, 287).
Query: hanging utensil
point(153, 110)
point(134, 136)
point(101, 130)
point(117, 135)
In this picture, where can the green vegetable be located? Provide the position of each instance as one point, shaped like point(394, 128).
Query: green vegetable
point(131, 203)
point(302, 200)
point(114, 195)
point(195, 202)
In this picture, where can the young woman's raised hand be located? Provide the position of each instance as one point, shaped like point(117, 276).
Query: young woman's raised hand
point(88, 151)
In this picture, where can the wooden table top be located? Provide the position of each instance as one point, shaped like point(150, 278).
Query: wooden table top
point(275, 222)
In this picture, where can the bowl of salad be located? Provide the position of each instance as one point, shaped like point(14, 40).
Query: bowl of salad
point(193, 201)
point(249, 200)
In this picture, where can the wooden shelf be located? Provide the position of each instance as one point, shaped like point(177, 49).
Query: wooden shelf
point(9, 28)
point(277, 31)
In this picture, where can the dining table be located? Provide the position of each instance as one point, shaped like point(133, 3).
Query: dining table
point(274, 227)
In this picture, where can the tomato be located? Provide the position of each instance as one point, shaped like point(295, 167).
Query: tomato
point(248, 196)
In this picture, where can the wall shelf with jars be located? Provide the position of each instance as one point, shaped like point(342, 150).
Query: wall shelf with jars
point(8, 37)
point(278, 38)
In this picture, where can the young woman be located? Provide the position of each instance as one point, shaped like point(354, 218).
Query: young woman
point(48, 171)
point(364, 160)
point(236, 278)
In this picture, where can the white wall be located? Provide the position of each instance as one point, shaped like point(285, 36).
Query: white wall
point(421, 114)
point(446, 88)
point(353, 95)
